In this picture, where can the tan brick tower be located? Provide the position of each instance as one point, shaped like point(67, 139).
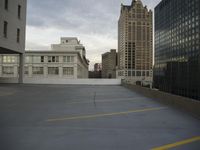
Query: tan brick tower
point(135, 43)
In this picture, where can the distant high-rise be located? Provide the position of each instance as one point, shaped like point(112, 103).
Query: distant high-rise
point(109, 63)
point(97, 71)
point(135, 43)
point(97, 67)
point(177, 53)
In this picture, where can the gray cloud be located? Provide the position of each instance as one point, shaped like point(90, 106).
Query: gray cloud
point(83, 16)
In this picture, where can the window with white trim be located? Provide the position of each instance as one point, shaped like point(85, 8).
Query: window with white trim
point(38, 59)
point(53, 59)
point(8, 70)
point(26, 71)
point(38, 70)
point(53, 70)
point(69, 71)
point(9, 59)
point(68, 59)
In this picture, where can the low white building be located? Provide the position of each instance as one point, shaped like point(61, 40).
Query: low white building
point(64, 60)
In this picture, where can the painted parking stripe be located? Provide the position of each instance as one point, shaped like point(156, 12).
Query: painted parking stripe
point(105, 101)
point(176, 144)
point(106, 114)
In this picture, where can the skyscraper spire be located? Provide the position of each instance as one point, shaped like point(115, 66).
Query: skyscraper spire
point(140, 2)
point(133, 1)
point(136, 1)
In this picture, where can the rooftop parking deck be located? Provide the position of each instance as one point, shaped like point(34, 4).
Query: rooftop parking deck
point(64, 117)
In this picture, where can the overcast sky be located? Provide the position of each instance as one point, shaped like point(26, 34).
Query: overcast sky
point(94, 22)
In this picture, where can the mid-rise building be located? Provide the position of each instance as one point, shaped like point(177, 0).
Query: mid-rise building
point(109, 64)
point(97, 67)
point(96, 73)
point(64, 60)
point(177, 52)
point(13, 27)
point(135, 49)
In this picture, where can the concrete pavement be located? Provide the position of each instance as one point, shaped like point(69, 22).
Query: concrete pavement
point(61, 117)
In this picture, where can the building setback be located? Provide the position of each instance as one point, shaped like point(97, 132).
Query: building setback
point(177, 53)
point(13, 27)
point(135, 43)
point(109, 64)
point(64, 60)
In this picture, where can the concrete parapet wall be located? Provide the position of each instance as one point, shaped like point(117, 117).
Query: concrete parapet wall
point(9, 80)
point(190, 105)
point(63, 81)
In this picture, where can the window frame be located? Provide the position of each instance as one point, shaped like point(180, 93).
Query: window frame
point(37, 71)
point(5, 29)
point(53, 74)
point(11, 68)
point(19, 11)
point(6, 4)
point(68, 72)
point(18, 35)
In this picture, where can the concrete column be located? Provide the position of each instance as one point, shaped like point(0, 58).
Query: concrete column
point(30, 71)
point(60, 59)
point(1, 65)
point(60, 66)
point(60, 72)
point(21, 68)
point(45, 71)
point(75, 72)
point(0, 70)
point(16, 71)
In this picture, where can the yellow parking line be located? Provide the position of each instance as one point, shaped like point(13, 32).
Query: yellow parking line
point(104, 115)
point(187, 141)
point(103, 101)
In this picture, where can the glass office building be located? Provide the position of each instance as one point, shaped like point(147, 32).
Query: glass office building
point(177, 53)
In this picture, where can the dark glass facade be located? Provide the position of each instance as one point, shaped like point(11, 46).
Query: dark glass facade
point(177, 53)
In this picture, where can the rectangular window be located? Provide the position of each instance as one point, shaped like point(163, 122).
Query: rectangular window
point(53, 59)
point(68, 71)
point(138, 73)
point(28, 59)
point(147, 74)
point(143, 73)
point(68, 59)
point(53, 70)
point(9, 59)
point(18, 35)
point(26, 70)
point(42, 58)
point(38, 70)
point(38, 59)
point(129, 73)
point(5, 29)
point(6, 4)
point(133, 73)
point(7, 70)
point(19, 11)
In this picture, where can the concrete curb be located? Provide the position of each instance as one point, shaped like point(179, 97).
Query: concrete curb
point(187, 104)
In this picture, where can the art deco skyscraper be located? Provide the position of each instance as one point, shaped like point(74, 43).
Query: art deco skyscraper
point(135, 43)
